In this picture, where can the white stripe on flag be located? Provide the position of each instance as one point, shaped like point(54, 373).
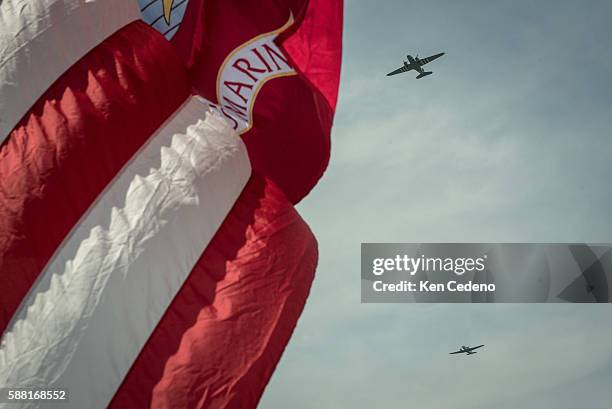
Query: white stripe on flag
point(87, 318)
point(40, 39)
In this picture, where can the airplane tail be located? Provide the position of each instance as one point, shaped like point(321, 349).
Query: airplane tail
point(424, 74)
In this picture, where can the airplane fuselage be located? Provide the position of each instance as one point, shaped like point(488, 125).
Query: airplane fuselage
point(467, 350)
point(414, 63)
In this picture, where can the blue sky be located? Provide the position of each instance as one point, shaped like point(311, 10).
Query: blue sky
point(509, 140)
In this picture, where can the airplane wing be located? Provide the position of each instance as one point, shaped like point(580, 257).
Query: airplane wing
point(429, 59)
point(473, 348)
point(457, 352)
point(400, 70)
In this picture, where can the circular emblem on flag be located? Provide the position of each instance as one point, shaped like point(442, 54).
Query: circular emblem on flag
point(163, 15)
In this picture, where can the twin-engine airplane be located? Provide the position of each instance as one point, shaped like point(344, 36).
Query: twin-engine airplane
point(466, 350)
point(416, 64)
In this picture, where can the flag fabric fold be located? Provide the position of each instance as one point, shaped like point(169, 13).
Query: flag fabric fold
point(285, 124)
point(150, 253)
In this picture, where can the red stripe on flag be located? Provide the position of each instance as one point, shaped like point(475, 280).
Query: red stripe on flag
point(290, 142)
point(72, 143)
point(222, 336)
point(314, 46)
